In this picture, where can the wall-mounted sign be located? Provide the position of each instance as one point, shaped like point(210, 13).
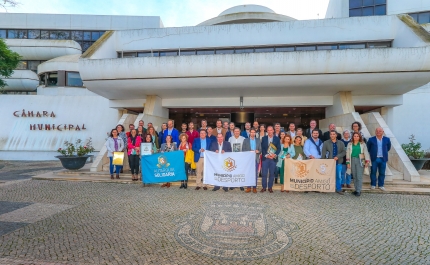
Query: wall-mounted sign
point(46, 127)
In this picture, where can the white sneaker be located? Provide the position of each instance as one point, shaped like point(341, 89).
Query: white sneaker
point(372, 187)
point(382, 188)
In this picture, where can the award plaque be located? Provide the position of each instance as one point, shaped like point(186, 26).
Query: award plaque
point(118, 158)
point(146, 149)
point(272, 149)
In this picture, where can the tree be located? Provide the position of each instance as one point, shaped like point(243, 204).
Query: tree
point(8, 3)
point(8, 62)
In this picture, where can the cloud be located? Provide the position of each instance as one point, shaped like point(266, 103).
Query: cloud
point(174, 13)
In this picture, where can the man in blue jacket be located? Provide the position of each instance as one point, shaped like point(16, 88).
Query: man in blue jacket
point(200, 145)
point(269, 159)
point(378, 147)
point(161, 133)
point(245, 133)
point(220, 146)
point(172, 132)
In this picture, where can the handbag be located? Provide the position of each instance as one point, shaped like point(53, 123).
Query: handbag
point(118, 158)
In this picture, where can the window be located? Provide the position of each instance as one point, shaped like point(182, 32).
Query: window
point(52, 79)
point(42, 80)
point(142, 54)
point(205, 52)
point(225, 51)
point(244, 50)
point(87, 35)
point(44, 34)
point(2, 34)
point(22, 65)
point(17, 34)
point(168, 53)
point(59, 35)
point(186, 53)
point(95, 35)
point(85, 45)
point(424, 18)
point(129, 55)
point(74, 79)
point(264, 49)
point(352, 46)
point(284, 49)
point(379, 45)
point(327, 47)
point(32, 65)
point(77, 35)
point(305, 48)
point(34, 34)
point(358, 8)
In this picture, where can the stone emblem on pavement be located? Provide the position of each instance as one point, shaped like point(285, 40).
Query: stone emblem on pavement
point(234, 230)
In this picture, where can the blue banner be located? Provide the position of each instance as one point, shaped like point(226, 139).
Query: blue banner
point(163, 167)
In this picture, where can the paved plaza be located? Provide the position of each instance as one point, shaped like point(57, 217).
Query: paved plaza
point(60, 222)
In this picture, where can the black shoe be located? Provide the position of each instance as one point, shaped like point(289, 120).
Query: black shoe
point(215, 189)
point(358, 194)
point(185, 185)
point(225, 189)
point(276, 180)
point(354, 193)
point(231, 188)
point(242, 189)
point(182, 186)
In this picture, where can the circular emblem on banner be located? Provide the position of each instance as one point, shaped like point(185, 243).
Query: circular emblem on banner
point(322, 169)
point(229, 164)
point(162, 162)
point(235, 231)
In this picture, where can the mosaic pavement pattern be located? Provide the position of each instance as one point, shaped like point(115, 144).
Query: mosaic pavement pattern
point(56, 222)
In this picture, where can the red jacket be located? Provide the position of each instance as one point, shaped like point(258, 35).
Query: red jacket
point(192, 136)
point(130, 145)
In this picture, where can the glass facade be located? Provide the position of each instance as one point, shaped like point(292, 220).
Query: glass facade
point(74, 79)
point(422, 17)
point(29, 65)
point(84, 38)
point(362, 8)
point(225, 50)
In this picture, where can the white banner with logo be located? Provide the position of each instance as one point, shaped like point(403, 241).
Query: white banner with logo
point(229, 169)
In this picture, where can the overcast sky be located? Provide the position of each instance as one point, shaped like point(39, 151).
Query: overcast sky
point(173, 13)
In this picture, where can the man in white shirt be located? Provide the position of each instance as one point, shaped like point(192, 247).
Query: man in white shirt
point(236, 142)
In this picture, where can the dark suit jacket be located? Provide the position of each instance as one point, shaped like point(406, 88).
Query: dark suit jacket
point(246, 146)
point(308, 134)
point(265, 145)
point(372, 146)
point(228, 134)
point(226, 146)
point(328, 147)
point(326, 136)
point(244, 134)
point(197, 146)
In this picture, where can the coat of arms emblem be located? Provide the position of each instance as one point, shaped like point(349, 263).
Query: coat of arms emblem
point(162, 162)
point(300, 170)
point(229, 164)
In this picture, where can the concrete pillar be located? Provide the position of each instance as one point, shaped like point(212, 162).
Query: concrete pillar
point(342, 104)
point(154, 112)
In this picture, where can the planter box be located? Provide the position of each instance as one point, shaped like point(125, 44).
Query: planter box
point(73, 162)
point(419, 163)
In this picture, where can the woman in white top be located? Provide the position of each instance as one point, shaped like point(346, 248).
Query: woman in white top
point(168, 146)
point(114, 144)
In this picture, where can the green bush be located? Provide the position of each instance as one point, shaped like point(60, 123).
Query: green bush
point(413, 149)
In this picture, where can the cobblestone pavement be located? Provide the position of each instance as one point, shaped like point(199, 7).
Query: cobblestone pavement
point(22, 170)
point(109, 223)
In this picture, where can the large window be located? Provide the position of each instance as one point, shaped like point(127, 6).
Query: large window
point(2, 34)
point(29, 65)
point(74, 79)
point(422, 17)
point(52, 79)
point(17, 34)
point(362, 8)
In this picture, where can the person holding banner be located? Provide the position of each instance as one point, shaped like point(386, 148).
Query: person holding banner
point(220, 147)
point(253, 144)
point(298, 148)
point(200, 145)
point(133, 147)
point(236, 142)
point(357, 159)
point(185, 146)
point(271, 147)
point(168, 146)
point(148, 139)
point(114, 144)
point(313, 146)
point(288, 151)
point(335, 149)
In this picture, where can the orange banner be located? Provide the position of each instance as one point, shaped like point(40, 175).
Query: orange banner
point(310, 175)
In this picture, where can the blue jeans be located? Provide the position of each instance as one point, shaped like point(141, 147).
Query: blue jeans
point(339, 177)
point(268, 171)
point(378, 165)
point(256, 175)
point(111, 167)
point(346, 178)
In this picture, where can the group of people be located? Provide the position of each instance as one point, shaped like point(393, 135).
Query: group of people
point(353, 153)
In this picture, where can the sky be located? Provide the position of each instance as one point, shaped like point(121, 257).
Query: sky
point(173, 13)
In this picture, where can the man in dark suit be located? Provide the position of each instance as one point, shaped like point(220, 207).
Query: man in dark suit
point(313, 126)
point(269, 159)
point(253, 144)
point(378, 147)
point(220, 146)
point(331, 127)
point(200, 145)
point(230, 131)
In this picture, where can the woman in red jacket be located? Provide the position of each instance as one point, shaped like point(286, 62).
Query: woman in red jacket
point(133, 153)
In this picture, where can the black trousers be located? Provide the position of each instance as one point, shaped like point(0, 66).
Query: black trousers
point(187, 167)
point(134, 163)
